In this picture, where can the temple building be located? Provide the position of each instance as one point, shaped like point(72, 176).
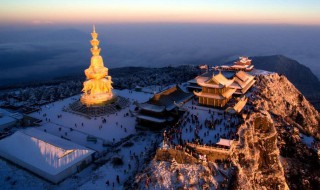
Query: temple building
point(243, 61)
point(238, 107)
point(242, 82)
point(97, 88)
point(193, 83)
point(162, 108)
point(243, 64)
point(215, 91)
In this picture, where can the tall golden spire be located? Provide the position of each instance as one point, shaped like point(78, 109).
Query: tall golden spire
point(95, 50)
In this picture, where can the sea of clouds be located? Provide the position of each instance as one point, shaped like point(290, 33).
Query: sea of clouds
point(33, 52)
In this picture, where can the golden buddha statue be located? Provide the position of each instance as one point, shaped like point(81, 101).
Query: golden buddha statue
point(97, 88)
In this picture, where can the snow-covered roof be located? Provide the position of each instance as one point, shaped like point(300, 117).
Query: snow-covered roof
point(225, 142)
point(247, 87)
point(243, 81)
point(194, 81)
point(239, 66)
point(217, 81)
point(47, 153)
point(235, 85)
point(152, 107)
point(222, 79)
point(6, 120)
point(168, 97)
point(242, 76)
point(194, 87)
point(239, 106)
point(4, 112)
point(149, 118)
point(17, 116)
point(243, 60)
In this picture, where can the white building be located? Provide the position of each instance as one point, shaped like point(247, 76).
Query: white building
point(46, 155)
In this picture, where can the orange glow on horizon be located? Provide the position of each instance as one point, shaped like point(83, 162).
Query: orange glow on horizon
point(149, 12)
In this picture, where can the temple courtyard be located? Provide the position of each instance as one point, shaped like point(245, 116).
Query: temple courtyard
point(116, 137)
point(93, 132)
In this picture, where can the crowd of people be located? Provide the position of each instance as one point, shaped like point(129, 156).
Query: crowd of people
point(203, 131)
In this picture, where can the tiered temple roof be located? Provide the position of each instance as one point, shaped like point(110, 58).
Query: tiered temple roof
point(242, 82)
point(217, 81)
point(243, 64)
point(167, 98)
point(152, 107)
point(239, 106)
point(157, 109)
point(193, 83)
point(243, 61)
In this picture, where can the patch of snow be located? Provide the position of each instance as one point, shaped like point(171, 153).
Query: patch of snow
point(307, 140)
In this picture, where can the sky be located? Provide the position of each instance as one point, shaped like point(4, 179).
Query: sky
point(51, 37)
point(36, 12)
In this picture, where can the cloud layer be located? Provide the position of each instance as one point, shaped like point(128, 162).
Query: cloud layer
point(30, 53)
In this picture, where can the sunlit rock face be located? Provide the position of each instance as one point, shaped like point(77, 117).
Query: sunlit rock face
point(98, 86)
point(270, 153)
point(292, 114)
point(280, 97)
point(257, 156)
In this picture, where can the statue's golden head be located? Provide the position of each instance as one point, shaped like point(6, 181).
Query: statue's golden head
point(97, 61)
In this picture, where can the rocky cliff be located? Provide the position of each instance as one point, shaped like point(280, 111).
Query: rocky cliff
point(270, 153)
point(301, 76)
point(257, 156)
point(277, 95)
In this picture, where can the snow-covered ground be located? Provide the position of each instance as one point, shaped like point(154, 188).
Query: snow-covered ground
point(132, 152)
point(77, 128)
point(172, 175)
point(260, 72)
point(133, 158)
point(91, 178)
point(307, 140)
point(69, 125)
point(13, 177)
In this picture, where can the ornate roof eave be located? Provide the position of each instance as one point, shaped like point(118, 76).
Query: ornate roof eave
point(207, 95)
point(203, 84)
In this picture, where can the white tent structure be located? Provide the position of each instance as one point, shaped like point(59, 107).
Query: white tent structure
point(46, 155)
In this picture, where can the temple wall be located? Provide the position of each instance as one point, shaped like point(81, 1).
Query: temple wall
point(212, 102)
point(166, 92)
